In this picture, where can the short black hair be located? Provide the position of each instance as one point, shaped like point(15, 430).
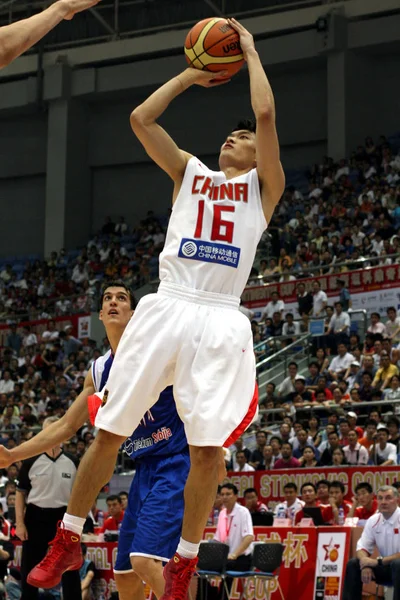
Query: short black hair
point(308, 483)
point(247, 125)
point(336, 484)
point(322, 482)
point(250, 491)
point(290, 486)
point(230, 486)
point(121, 284)
point(364, 485)
point(113, 497)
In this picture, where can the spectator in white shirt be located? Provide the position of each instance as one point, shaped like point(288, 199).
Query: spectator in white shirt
point(235, 528)
point(63, 305)
point(287, 386)
point(6, 383)
point(383, 453)
point(341, 362)
point(339, 327)
point(376, 325)
point(273, 306)
point(290, 327)
point(381, 532)
point(355, 453)
point(50, 335)
point(291, 504)
point(79, 274)
point(241, 462)
point(320, 299)
point(28, 338)
point(393, 325)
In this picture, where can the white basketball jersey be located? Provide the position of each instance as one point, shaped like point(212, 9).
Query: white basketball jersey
point(213, 232)
point(101, 370)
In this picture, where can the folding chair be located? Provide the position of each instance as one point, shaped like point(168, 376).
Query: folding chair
point(266, 560)
point(212, 563)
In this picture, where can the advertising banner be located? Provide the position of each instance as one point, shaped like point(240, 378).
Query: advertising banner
point(270, 484)
point(372, 289)
point(332, 556)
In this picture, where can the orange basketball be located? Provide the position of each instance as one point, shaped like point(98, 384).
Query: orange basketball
point(213, 45)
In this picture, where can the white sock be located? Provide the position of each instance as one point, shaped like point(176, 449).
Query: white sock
point(74, 524)
point(187, 549)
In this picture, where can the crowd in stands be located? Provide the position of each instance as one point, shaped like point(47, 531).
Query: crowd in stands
point(69, 282)
point(350, 211)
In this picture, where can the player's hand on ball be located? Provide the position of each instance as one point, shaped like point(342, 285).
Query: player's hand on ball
point(76, 6)
point(246, 39)
point(5, 457)
point(206, 78)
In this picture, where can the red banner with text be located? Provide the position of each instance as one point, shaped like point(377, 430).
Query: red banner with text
point(297, 572)
point(270, 484)
point(80, 326)
point(371, 289)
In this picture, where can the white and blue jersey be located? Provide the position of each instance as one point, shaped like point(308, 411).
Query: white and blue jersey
point(153, 519)
point(161, 431)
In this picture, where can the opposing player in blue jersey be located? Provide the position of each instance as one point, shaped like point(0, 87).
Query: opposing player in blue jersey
point(152, 523)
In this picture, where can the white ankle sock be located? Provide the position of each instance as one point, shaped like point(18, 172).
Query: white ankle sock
point(187, 549)
point(74, 524)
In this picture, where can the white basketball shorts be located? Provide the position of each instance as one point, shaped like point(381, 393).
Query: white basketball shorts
point(200, 343)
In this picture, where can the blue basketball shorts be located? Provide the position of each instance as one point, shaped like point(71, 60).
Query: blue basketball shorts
point(152, 522)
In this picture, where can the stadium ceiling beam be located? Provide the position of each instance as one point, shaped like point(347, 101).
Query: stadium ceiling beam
point(214, 7)
point(102, 21)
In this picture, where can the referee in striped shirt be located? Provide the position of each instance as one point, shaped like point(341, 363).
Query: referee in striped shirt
point(45, 484)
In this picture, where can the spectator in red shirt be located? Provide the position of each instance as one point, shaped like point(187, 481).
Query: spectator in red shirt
point(364, 503)
point(309, 496)
point(252, 503)
point(330, 513)
point(287, 461)
point(323, 491)
point(115, 514)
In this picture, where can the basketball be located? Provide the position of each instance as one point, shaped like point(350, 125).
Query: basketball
point(213, 45)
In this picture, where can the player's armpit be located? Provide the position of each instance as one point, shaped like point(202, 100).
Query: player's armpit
point(269, 167)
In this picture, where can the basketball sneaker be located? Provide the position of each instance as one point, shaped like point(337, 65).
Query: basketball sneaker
point(178, 573)
point(64, 554)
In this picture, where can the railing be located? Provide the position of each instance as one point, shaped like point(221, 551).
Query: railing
point(330, 269)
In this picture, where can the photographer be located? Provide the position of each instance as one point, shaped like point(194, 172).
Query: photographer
point(6, 553)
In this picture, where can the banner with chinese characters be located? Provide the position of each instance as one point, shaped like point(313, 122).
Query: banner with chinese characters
point(38, 327)
point(270, 484)
point(332, 556)
point(297, 571)
point(372, 289)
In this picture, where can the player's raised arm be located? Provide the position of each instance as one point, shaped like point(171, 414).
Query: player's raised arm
point(269, 168)
point(18, 37)
point(155, 140)
point(56, 433)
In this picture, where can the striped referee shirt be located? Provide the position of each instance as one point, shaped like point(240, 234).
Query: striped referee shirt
point(46, 481)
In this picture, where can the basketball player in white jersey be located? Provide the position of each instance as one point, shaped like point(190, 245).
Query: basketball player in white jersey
point(191, 333)
point(17, 38)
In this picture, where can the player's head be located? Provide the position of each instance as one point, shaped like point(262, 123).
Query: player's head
point(239, 148)
point(117, 304)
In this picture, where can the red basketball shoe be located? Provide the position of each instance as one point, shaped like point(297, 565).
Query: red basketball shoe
point(178, 573)
point(64, 554)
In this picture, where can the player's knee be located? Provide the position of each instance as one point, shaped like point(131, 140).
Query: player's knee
point(108, 440)
point(205, 457)
point(127, 582)
point(140, 565)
